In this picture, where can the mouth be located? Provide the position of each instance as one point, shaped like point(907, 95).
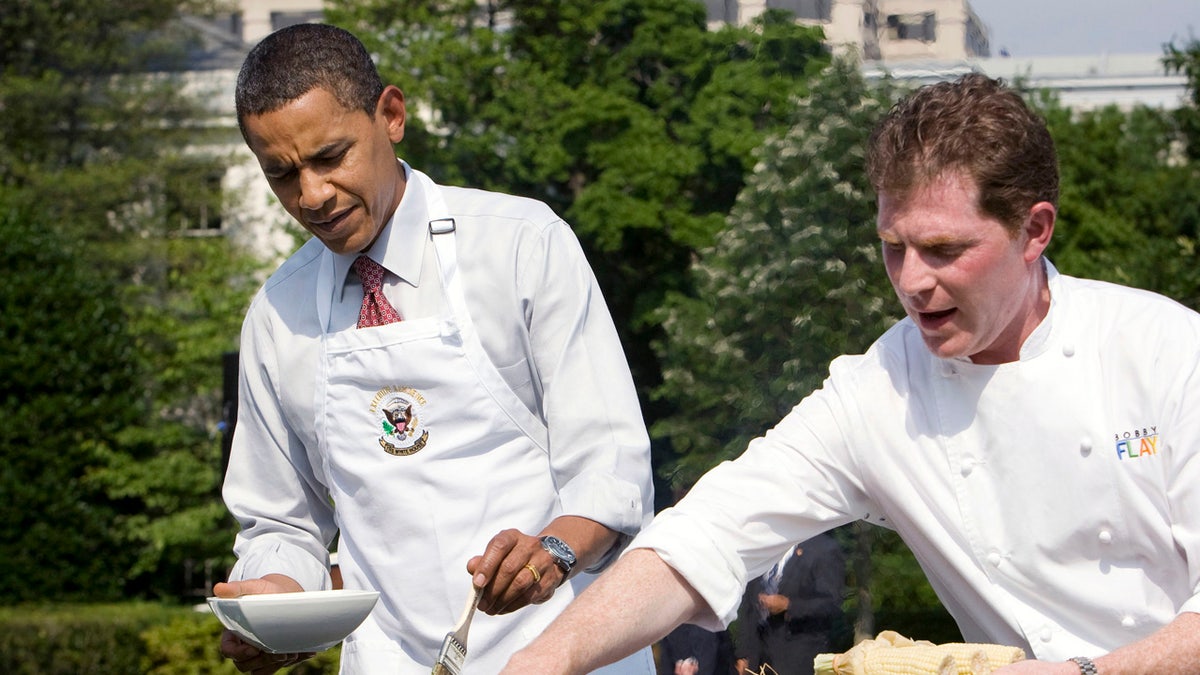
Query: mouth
point(933, 320)
point(331, 223)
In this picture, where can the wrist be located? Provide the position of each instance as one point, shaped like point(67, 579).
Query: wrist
point(561, 553)
point(1086, 666)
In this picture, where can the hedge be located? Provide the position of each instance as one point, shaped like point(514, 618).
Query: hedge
point(121, 639)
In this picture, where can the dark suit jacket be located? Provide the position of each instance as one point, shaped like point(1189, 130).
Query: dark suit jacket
point(813, 583)
point(713, 651)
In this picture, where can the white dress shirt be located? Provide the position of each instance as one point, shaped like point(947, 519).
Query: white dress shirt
point(1053, 502)
point(542, 320)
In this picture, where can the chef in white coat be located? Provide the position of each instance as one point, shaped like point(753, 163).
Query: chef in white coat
point(1034, 438)
point(433, 378)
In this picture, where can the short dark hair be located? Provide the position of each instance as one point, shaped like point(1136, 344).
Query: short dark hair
point(293, 61)
point(973, 125)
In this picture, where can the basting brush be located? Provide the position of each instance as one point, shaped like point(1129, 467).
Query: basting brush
point(454, 647)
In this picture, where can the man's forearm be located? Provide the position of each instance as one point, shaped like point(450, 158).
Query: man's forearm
point(1175, 648)
point(635, 603)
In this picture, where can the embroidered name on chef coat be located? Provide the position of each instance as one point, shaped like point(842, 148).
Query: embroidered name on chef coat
point(1137, 443)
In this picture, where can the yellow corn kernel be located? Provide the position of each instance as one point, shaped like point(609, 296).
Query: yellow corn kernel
point(994, 655)
point(914, 660)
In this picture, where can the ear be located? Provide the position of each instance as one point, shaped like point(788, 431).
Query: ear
point(391, 108)
point(1039, 228)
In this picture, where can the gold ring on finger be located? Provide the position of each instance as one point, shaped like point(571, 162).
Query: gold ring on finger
point(537, 576)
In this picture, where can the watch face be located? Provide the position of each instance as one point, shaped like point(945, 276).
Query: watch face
point(559, 549)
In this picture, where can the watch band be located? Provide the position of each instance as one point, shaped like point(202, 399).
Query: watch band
point(1086, 667)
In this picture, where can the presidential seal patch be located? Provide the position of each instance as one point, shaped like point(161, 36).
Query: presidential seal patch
point(396, 410)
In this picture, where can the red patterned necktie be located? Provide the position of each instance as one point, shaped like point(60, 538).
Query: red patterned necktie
point(376, 310)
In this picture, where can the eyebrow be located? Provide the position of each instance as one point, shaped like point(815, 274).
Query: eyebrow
point(331, 148)
point(943, 240)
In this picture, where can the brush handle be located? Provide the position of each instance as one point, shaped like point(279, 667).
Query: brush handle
point(464, 620)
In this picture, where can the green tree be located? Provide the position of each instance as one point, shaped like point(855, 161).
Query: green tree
point(1129, 209)
point(69, 385)
point(164, 475)
point(629, 117)
point(94, 122)
point(793, 280)
point(1185, 60)
point(101, 150)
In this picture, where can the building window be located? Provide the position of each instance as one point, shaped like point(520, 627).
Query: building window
point(193, 200)
point(922, 26)
point(813, 10)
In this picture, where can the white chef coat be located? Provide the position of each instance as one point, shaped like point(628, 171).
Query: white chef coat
point(1053, 502)
point(521, 285)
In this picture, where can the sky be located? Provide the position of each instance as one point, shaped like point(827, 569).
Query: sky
point(1087, 27)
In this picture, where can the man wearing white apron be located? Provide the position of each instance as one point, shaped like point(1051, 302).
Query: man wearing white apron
point(477, 426)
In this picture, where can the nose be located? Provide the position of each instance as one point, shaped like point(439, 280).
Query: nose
point(315, 190)
point(911, 274)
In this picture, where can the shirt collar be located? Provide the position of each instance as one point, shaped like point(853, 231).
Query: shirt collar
point(1039, 340)
point(400, 247)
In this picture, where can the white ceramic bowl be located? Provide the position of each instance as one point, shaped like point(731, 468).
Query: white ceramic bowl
point(288, 623)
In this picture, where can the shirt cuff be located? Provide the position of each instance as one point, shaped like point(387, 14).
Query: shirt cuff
point(684, 544)
point(277, 557)
point(606, 499)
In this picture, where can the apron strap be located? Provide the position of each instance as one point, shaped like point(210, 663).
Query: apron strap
point(442, 224)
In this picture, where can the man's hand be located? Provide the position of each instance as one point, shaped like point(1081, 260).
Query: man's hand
point(514, 571)
point(245, 656)
point(774, 604)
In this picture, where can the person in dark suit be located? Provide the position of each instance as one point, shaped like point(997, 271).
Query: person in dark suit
point(692, 650)
point(787, 614)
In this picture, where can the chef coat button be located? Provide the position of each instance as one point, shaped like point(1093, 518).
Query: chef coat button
point(1068, 350)
point(1085, 446)
point(947, 369)
point(1105, 537)
point(994, 559)
point(1047, 634)
point(1128, 621)
point(968, 466)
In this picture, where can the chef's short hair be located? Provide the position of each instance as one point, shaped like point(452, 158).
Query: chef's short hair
point(293, 61)
point(974, 125)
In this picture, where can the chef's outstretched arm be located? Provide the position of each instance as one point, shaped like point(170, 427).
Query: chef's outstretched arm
point(633, 604)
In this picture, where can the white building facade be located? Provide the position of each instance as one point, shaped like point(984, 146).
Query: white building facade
point(876, 30)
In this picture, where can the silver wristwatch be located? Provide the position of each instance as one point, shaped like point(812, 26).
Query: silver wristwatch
point(563, 556)
point(1086, 667)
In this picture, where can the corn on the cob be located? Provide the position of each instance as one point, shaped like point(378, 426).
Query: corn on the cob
point(913, 660)
point(891, 653)
point(995, 655)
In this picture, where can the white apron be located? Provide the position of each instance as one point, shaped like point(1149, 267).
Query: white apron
point(427, 455)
